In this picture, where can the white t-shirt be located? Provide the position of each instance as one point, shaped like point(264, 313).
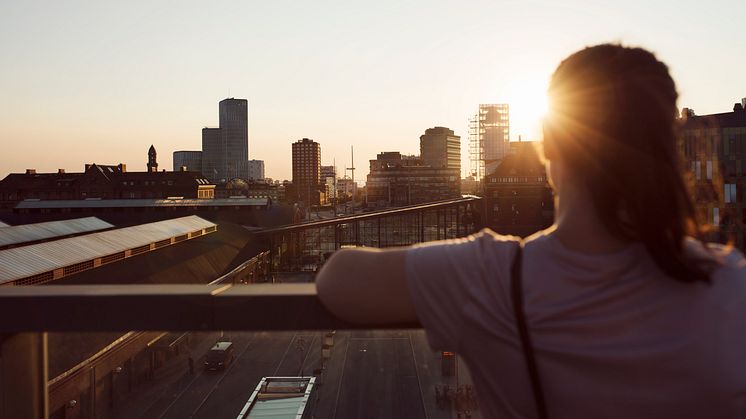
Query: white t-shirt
point(613, 336)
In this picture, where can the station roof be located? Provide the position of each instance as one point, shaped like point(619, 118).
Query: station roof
point(41, 231)
point(23, 262)
point(140, 203)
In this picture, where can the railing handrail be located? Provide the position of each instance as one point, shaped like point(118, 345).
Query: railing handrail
point(97, 308)
point(368, 215)
point(240, 268)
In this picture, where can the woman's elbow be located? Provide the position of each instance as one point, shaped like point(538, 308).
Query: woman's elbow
point(328, 282)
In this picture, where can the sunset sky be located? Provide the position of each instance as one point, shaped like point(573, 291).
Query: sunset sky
point(84, 82)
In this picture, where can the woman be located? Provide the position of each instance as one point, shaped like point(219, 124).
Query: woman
point(628, 313)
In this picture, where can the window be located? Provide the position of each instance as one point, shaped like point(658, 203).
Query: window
point(709, 169)
point(730, 193)
point(716, 216)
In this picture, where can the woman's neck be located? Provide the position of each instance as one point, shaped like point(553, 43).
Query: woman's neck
point(578, 226)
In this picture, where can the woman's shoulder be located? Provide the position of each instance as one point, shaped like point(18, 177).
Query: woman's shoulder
point(725, 256)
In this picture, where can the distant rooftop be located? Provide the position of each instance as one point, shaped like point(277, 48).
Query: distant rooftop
point(141, 203)
point(43, 262)
point(11, 236)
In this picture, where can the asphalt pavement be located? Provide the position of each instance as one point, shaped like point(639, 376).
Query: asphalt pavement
point(370, 374)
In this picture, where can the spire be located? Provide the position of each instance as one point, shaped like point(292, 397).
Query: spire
point(152, 162)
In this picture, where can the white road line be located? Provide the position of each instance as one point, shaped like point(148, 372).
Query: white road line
point(341, 378)
point(417, 373)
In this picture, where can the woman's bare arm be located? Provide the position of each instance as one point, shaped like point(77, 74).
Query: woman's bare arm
point(367, 286)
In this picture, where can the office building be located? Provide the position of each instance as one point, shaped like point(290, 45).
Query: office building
point(396, 180)
point(441, 148)
point(489, 138)
point(307, 172)
point(190, 161)
point(212, 155)
point(255, 170)
point(225, 150)
point(234, 132)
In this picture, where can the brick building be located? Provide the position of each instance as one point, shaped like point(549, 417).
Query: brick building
point(714, 150)
point(517, 197)
point(104, 182)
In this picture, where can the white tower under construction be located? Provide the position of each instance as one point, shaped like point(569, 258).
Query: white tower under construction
point(489, 138)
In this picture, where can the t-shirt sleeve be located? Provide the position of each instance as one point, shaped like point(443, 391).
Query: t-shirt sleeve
point(443, 276)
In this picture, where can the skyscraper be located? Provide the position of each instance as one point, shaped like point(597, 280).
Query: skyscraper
point(489, 138)
point(441, 148)
point(225, 150)
point(234, 131)
point(213, 167)
point(306, 171)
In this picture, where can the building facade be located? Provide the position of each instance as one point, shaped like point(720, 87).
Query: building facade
point(104, 182)
point(255, 170)
point(489, 138)
point(234, 132)
point(714, 150)
point(212, 155)
point(190, 160)
point(306, 172)
point(441, 148)
point(225, 150)
point(517, 197)
point(396, 180)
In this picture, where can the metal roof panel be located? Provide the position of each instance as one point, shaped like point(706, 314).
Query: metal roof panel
point(40, 231)
point(25, 261)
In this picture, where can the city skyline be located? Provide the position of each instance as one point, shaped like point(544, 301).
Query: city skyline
point(101, 82)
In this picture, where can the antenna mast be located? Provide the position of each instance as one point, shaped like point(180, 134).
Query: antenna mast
point(352, 169)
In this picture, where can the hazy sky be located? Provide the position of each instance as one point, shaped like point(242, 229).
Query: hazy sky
point(101, 81)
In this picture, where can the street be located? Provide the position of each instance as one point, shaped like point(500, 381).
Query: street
point(370, 374)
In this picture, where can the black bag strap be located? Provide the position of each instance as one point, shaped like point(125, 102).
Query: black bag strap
point(516, 293)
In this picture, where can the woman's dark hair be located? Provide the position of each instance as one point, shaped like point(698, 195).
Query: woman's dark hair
point(613, 120)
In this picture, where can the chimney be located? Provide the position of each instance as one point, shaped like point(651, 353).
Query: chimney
point(122, 167)
point(183, 169)
point(30, 171)
point(60, 171)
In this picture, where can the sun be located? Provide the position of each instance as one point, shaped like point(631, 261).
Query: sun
point(528, 105)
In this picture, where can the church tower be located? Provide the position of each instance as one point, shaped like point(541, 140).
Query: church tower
point(152, 163)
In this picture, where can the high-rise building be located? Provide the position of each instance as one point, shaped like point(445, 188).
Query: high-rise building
point(489, 138)
point(234, 132)
point(191, 160)
point(212, 155)
point(441, 148)
point(225, 150)
point(255, 170)
point(306, 171)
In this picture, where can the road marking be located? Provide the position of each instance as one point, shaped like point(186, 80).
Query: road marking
point(341, 379)
point(417, 373)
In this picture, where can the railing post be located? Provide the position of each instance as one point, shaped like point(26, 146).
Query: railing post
point(23, 376)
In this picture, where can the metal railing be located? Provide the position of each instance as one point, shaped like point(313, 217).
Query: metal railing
point(31, 312)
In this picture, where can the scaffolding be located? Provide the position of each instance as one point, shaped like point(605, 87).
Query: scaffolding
point(489, 138)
